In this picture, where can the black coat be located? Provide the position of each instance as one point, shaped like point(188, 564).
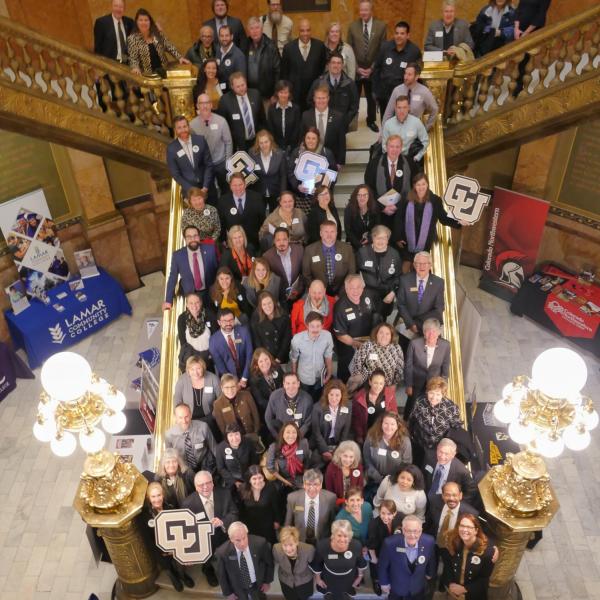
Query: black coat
point(105, 36)
point(234, 468)
point(260, 516)
point(261, 391)
point(478, 570)
point(378, 531)
point(227, 260)
point(434, 513)
point(316, 216)
point(229, 108)
point(274, 180)
point(237, 29)
point(268, 65)
point(292, 126)
point(321, 428)
point(275, 335)
point(356, 227)
point(251, 220)
point(381, 275)
point(335, 132)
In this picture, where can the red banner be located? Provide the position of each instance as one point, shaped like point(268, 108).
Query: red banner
point(514, 236)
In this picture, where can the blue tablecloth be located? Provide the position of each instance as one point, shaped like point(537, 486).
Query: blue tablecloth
point(43, 331)
point(11, 367)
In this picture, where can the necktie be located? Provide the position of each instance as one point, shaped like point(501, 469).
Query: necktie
point(245, 572)
point(190, 152)
point(408, 96)
point(321, 127)
point(240, 205)
point(366, 39)
point(333, 414)
point(310, 522)
point(123, 40)
point(209, 509)
point(234, 353)
point(190, 457)
point(441, 537)
point(274, 36)
point(435, 484)
point(206, 122)
point(197, 276)
point(304, 51)
point(247, 116)
point(420, 291)
point(392, 173)
point(329, 266)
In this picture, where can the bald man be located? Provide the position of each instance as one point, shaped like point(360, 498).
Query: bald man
point(303, 60)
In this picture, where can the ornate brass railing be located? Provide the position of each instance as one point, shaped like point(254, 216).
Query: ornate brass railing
point(169, 364)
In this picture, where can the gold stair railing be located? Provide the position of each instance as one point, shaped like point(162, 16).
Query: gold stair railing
point(555, 72)
point(64, 94)
point(169, 352)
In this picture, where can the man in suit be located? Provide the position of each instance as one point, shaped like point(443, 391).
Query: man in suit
point(311, 510)
point(215, 505)
point(343, 96)
point(420, 295)
point(244, 564)
point(244, 112)
point(277, 26)
point(303, 61)
point(220, 9)
point(285, 260)
point(192, 439)
point(427, 357)
point(407, 561)
point(204, 48)
point(195, 266)
point(231, 347)
point(188, 158)
point(448, 468)
point(443, 511)
point(365, 36)
point(448, 32)
point(229, 58)
point(387, 171)
point(241, 206)
point(329, 122)
point(111, 31)
point(329, 260)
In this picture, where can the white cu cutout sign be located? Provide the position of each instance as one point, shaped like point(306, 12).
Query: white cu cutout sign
point(464, 199)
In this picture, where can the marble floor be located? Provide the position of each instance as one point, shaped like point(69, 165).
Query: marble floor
point(44, 553)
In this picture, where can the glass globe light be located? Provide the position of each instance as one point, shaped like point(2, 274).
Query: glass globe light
point(589, 419)
point(116, 401)
point(521, 433)
point(506, 411)
point(100, 387)
point(114, 423)
point(577, 437)
point(92, 442)
point(45, 431)
point(65, 445)
point(66, 376)
point(559, 372)
point(550, 446)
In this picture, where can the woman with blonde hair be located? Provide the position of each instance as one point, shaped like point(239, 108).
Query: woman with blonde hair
point(176, 479)
point(292, 558)
point(238, 256)
point(335, 44)
point(270, 168)
point(259, 279)
point(345, 470)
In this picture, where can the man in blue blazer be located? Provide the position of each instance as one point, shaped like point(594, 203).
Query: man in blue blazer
point(407, 561)
point(195, 266)
point(188, 158)
point(231, 347)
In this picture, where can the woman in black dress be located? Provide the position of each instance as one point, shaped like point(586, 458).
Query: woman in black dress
point(323, 209)
point(234, 455)
point(338, 564)
point(259, 508)
point(271, 328)
point(360, 216)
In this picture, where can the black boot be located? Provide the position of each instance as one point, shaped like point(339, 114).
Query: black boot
point(175, 581)
point(187, 580)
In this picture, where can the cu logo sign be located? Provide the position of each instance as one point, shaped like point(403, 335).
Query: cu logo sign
point(180, 533)
point(240, 162)
point(464, 199)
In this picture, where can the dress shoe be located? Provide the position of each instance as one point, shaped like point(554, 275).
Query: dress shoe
point(373, 127)
point(377, 588)
point(187, 580)
point(176, 582)
point(211, 578)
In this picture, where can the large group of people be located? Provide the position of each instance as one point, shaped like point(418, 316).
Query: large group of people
point(287, 434)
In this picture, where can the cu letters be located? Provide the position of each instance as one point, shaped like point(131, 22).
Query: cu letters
point(464, 199)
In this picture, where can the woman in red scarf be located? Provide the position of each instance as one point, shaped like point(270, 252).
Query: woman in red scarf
point(288, 457)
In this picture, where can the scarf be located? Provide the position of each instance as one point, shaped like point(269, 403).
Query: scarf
point(308, 307)
point(294, 465)
point(410, 227)
point(244, 264)
point(195, 326)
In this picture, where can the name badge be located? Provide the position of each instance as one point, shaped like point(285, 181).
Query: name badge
point(371, 410)
point(299, 507)
point(316, 259)
point(399, 173)
point(327, 417)
point(284, 225)
point(298, 416)
point(401, 550)
point(332, 556)
point(214, 126)
point(351, 316)
point(235, 117)
point(429, 468)
point(238, 341)
point(344, 410)
point(257, 168)
point(196, 149)
point(356, 473)
point(206, 212)
point(416, 97)
point(228, 457)
point(223, 86)
point(388, 61)
point(295, 221)
point(373, 356)
point(233, 211)
point(395, 454)
point(413, 289)
point(475, 560)
point(338, 257)
point(299, 451)
point(200, 516)
point(421, 560)
point(382, 452)
point(226, 409)
point(228, 451)
point(208, 389)
point(348, 554)
point(411, 133)
point(227, 62)
point(439, 34)
point(198, 446)
point(181, 153)
point(368, 263)
point(403, 64)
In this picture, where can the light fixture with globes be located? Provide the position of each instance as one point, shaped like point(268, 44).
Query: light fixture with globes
point(76, 401)
point(547, 412)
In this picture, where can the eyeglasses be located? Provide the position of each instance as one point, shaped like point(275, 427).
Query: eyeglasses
point(192, 237)
point(467, 527)
point(412, 531)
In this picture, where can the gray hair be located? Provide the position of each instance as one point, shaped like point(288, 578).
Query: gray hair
point(343, 526)
point(236, 526)
point(171, 453)
point(312, 475)
point(447, 443)
point(347, 446)
point(200, 473)
point(423, 254)
point(431, 324)
point(353, 276)
point(254, 21)
point(412, 519)
point(380, 230)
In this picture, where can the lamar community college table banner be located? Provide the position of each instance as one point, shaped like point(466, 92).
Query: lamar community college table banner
point(514, 236)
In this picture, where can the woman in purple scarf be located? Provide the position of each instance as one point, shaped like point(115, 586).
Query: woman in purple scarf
point(416, 220)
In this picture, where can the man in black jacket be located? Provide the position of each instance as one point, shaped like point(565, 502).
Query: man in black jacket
point(222, 17)
point(244, 564)
point(111, 31)
point(262, 60)
point(244, 112)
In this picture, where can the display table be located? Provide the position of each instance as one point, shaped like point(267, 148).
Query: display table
point(11, 367)
point(43, 331)
point(561, 302)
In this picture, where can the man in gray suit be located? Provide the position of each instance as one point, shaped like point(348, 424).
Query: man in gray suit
point(365, 36)
point(427, 357)
point(311, 510)
point(448, 32)
point(420, 294)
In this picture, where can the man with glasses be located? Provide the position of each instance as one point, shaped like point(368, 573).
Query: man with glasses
point(195, 266)
point(215, 505)
point(276, 26)
point(203, 49)
point(311, 510)
point(407, 562)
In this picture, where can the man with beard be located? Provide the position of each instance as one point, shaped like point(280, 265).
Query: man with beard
point(222, 18)
point(276, 25)
point(195, 266)
point(188, 158)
